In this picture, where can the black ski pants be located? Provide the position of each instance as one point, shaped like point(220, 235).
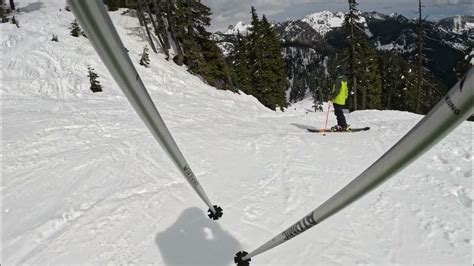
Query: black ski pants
point(341, 119)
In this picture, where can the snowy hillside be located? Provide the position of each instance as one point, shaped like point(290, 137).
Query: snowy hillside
point(458, 24)
point(324, 21)
point(240, 27)
point(84, 182)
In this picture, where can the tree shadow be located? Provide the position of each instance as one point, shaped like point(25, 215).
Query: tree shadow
point(138, 32)
point(31, 7)
point(194, 239)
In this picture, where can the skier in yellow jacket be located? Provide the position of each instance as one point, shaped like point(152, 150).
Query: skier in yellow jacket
point(338, 96)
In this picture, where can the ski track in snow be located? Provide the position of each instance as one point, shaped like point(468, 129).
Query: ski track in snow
point(83, 181)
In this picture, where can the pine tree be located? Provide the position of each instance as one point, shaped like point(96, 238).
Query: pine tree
point(55, 38)
point(95, 84)
point(351, 26)
point(394, 80)
point(160, 27)
point(217, 72)
point(420, 59)
point(200, 53)
point(144, 21)
point(464, 65)
point(173, 26)
point(361, 64)
point(186, 21)
point(112, 5)
point(321, 81)
point(266, 64)
point(75, 29)
point(370, 81)
point(299, 84)
point(3, 12)
point(238, 58)
point(276, 63)
point(145, 60)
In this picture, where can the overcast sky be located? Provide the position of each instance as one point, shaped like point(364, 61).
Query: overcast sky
point(227, 12)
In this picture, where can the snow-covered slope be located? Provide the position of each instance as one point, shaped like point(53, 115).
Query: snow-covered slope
point(324, 21)
point(458, 24)
point(240, 27)
point(83, 181)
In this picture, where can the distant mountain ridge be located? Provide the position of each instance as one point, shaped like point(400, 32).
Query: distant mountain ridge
point(308, 40)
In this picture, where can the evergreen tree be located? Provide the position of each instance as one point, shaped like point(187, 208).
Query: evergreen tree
point(75, 29)
point(420, 58)
point(112, 5)
point(3, 11)
point(464, 65)
point(201, 54)
point(276, 63)
point(392, 67)
point(216, 72)
point(266, 64)
point(361, 64)
point(297, 76)
point(238, 58)
point(350, 26)
point(192, 17)
point(321, 81)
point(160, 26)
point(145, 60)
point(185, 21)
point(141, 7)
point(370, 80)
point(407, 95)
point(253, 38)
point(95, 84)
point(55, 38)
point(176, 36)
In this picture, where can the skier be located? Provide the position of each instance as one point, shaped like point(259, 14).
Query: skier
point(338, 97)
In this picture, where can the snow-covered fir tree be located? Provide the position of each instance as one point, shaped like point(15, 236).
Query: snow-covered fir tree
point(95, 84)
point(75, 29)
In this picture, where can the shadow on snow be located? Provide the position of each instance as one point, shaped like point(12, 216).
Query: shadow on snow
point(194, 239)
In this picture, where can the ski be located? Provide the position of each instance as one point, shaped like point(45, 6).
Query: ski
point(314, 130)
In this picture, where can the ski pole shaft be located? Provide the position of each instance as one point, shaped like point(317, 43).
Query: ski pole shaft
point(101, 32)
point(452, 110)
point(327, 117)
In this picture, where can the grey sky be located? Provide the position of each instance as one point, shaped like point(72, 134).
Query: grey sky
point(227, 12)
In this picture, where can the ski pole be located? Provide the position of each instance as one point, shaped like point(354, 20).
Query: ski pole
point(452, 110)
point(327, 117)
point(101, 32)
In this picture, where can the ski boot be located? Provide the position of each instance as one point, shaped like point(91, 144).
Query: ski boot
point(337, 128)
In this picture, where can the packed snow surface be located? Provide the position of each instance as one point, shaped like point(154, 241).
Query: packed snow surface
point(84, 182)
